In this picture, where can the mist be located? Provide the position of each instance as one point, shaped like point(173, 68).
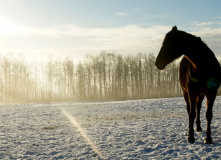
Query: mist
point(101, 77)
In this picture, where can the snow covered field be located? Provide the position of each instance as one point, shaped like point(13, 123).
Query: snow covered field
point(138, 129)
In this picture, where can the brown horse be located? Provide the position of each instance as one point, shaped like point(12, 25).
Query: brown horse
point(200, 75)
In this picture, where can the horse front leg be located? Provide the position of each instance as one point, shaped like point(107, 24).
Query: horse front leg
point(186, 97)
point(192, 116)
point(198, 107)
point(209, 115)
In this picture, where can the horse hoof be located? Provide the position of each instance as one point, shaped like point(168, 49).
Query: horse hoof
point(191, 140)
point(208, 141)
point(199, 129)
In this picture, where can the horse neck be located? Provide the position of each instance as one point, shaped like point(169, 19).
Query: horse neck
point(202, 57)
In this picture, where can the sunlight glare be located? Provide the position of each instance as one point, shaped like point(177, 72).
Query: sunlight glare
point(82, 132)
point(8, 28)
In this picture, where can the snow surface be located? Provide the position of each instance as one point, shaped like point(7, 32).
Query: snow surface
point(136, 129)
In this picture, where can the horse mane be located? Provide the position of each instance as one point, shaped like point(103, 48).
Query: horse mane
point(199, 45)
point(193, 38)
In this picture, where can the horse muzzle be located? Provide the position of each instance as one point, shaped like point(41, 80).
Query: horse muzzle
point(159, 66)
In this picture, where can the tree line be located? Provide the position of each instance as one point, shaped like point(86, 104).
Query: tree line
point(105, 76)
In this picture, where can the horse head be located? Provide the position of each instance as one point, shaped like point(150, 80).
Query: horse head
point(171, 48)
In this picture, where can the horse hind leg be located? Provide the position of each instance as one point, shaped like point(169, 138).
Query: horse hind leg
point(198, 108)
point(209, 115)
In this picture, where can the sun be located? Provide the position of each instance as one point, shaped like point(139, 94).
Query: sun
point(9, 28)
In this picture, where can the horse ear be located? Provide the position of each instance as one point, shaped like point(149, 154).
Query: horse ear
point(174, 28)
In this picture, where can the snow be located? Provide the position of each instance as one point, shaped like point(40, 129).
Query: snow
point(135, 129)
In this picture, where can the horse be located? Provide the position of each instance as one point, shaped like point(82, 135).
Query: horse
point(199, 75)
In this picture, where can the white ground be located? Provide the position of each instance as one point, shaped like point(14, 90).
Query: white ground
point(139, 129)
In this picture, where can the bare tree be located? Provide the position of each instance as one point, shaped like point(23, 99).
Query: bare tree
point(105, 76)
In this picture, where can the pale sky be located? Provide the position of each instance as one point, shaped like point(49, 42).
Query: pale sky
point(38, 28)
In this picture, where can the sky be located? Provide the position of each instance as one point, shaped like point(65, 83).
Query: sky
point(74, 28)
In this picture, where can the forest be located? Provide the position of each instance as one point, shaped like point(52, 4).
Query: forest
point(101, 77)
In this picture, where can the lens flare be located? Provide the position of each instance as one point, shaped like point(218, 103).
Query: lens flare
point(212, 84)
point(83, 134)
